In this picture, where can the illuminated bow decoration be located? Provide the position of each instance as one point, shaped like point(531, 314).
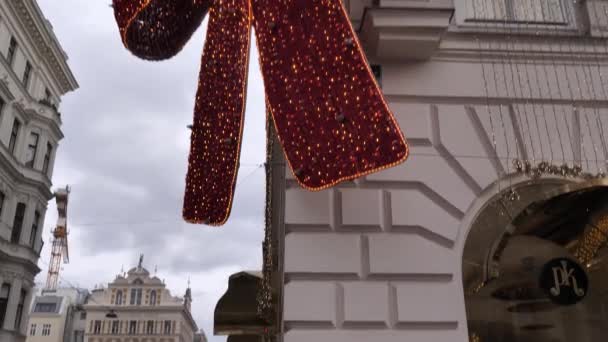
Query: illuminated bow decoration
point(328, 111)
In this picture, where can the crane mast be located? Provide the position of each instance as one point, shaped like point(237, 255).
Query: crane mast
point(59, 244)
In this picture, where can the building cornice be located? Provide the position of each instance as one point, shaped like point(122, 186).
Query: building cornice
point(45, 43)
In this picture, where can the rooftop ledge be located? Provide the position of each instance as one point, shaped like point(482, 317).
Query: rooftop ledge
point(404, 29)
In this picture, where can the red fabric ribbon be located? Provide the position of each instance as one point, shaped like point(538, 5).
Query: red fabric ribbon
point(328, 111)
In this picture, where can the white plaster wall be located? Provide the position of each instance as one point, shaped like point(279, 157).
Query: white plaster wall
point(379, 259)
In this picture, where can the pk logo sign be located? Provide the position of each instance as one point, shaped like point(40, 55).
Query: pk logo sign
point(564, 281)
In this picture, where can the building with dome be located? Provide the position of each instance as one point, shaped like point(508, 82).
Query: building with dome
point(137, 307)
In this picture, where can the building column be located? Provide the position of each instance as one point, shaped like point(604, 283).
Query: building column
point(26, 311)
point(13, 301)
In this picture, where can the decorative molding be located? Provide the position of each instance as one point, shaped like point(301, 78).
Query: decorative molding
point(45, 42)
point(403, 33)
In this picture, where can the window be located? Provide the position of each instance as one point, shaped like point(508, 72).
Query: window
point(34, 232)
point(2, 198)
point(150, 327)
point(97, 327)
point(78, 336)
point(27, 74)
point(135, 297)
point(118, 298)
point(2, 104)
point(523, 11)
point(83, 315)
point(14, 135)
point(12, 48)
point(5, 291)
point(32, 147)
point(132, 327)
point(153, 297)
point(47, 95)
point(114, 327)
point(46, 329)
point(33, 330)
point(20, 305)
point(45, 307)
point(18, 223)
point(167, 329)
point(47, 158)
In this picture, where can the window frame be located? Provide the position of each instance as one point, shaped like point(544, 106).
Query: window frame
point(149, 327)
point(33, 149)
point(119, 298)
point(17, 230)
point(2, 201)
point(167, 327)
point(15, 130)
point(47, 158)
point(465, 24)
point(114, 328)
point(46, 330)
point(13, 45)
point(35, 228)
point(33, 329)
point(4, 301)
point(132, 327)
point(20, 309)
point(153, 297)
point(97, 327)
point(27, 75)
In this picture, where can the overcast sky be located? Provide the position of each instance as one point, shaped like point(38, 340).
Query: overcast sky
point(125, 155)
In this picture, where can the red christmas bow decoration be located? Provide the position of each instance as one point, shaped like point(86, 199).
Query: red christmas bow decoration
point(328, 111)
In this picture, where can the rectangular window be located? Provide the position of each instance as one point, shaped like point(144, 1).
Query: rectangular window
point(27, 75)
point(14, 135)
point(150, 327)
point(2, 198)
point(5, 291)
point(97, 327)
point(46, 329)
point(33, 330)
point(517, 11)
point(34, 232)
point(47, 158)
point(138, 300)
point(83, 315)
point(114, 327)
point(12, 48)
point(132, 327)
point(20, 305)
point(167, 329)
point(78, 336)
point(32, 148)
point(45, 307)
point(18, 223)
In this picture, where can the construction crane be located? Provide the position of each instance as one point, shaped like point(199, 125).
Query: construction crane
point(59, 247)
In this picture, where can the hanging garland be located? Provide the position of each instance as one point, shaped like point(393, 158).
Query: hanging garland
point(329, 114)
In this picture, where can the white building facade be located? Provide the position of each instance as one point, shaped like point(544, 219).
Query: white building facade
point(138, 307)
point(477, 86)
point(33, 76)
point(58, 316)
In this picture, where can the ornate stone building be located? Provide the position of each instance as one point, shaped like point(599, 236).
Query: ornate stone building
point(137, 307)
point(504, 103)
point(34, 75)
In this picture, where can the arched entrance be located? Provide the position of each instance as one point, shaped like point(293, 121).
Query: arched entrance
point(536, 268)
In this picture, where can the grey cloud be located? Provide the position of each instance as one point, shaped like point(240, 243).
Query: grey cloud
point(125, 154)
